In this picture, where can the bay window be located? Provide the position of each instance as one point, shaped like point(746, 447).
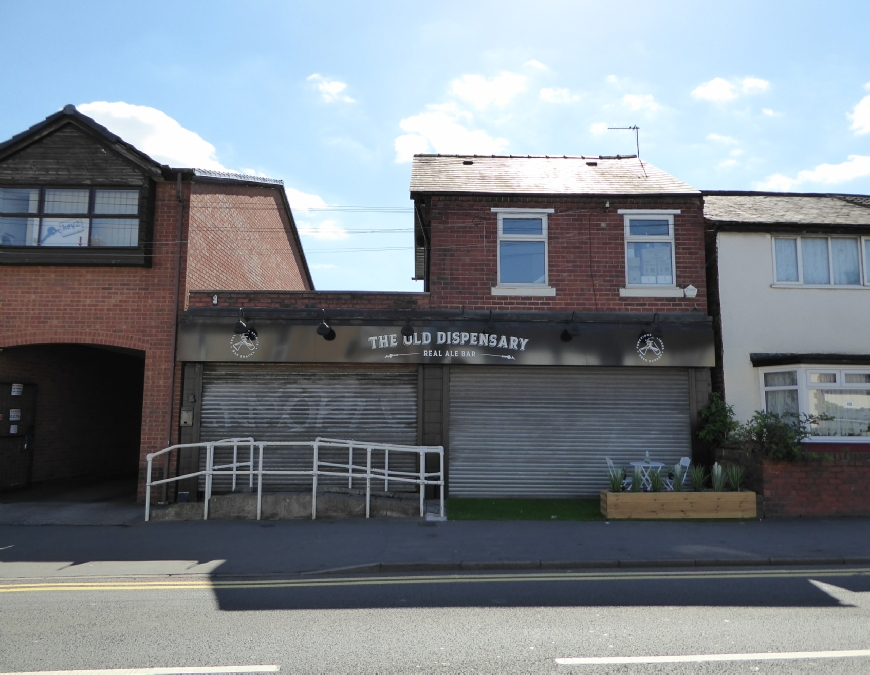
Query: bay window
point(840, 394)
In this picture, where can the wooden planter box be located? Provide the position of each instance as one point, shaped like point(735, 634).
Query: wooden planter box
point(678, 504)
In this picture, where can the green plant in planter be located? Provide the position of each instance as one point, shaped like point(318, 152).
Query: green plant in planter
point(718, 425)
point(616, 476)
point(637, 480)
point(734, 473)
point(698, 476)
point(655, 480)
point(717, 478)
point(678, 477)
point(779, 437)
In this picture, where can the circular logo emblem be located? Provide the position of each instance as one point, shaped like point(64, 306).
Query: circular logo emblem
point(650, 348)
point(245, 344)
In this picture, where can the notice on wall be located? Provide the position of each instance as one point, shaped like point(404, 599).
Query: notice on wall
point(14, 414)
point(13, 428)
point(17, 389)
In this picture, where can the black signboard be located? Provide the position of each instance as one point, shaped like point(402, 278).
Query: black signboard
point(669, 344)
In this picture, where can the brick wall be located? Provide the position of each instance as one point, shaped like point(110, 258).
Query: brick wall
point(241, 237)
point(836, 486)
point(311, 300)
point(586, 254)
point(109, 306)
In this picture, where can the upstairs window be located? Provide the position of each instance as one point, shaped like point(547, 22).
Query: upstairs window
point(66, 217)
point(820, 261)
point(523, 268)
point(649, 250)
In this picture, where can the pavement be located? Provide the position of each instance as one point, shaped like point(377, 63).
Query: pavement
point(131, 547)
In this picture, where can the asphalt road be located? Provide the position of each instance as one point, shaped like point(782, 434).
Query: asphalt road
point(443, 623)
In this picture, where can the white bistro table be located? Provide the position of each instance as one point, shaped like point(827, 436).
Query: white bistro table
point(645, 468)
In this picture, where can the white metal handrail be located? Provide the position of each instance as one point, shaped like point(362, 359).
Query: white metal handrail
point(422, 478)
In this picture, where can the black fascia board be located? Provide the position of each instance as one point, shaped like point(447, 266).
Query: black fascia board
point(789, 228)
point(764, 360)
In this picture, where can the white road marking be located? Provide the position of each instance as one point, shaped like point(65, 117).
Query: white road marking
point(702, 658)
point(205, 670)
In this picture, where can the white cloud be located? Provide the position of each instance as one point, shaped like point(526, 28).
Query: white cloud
point(770, 113)
point(736, 152)
point(727, 163)
point(409, 145)
point(860, 116)
point(441, 129)
point(718, 138)
point(716, 89)
point(537, 65)
point(856, 166)
point(330, 90)
point(155, 133)
point(754, 85)
point(557, 95)
point(720, 90)
point(640, 102)
point(598, 128)
point(302, 201)
point(327, 229)
point(481, 93)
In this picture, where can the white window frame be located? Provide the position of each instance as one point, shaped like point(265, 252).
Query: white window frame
point(805, 387)
point(542, 289)
point(650, 290)
point(863, 262)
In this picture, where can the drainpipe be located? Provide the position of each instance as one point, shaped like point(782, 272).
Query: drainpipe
point(178, 243)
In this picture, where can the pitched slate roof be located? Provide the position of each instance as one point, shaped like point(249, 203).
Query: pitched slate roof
point(786, 209)
point(620, 175)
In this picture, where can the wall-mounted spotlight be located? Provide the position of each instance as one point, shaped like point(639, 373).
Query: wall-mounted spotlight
point(654, 329)
point(572, 331)
point(489, 329)
point(324, 330)
point(407, 330)
point(241, 326)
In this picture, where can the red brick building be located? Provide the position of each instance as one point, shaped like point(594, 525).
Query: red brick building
point(100, 248)
point(563, 321)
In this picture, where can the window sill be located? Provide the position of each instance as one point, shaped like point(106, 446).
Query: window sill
point(524, 290)
point(85, 256)
point(651, 292)
point(823, 287)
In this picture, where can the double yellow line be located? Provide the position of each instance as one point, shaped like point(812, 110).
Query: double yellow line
point(116, 584)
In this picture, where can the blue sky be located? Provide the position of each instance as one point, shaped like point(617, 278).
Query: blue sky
point(334, 97)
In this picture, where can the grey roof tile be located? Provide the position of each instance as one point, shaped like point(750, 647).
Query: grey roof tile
point(541, 175)
point(788, 209)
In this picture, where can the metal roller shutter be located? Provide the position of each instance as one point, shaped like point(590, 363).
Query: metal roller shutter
point(544, 432)
point(288, 403)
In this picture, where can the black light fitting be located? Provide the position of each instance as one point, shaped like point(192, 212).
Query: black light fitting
point(324, 330)
point(572, 331)
point(653, 329)
point(407, 330)
point(241, 326)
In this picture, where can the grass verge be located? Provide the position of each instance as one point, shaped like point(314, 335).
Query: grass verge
point(523, 509)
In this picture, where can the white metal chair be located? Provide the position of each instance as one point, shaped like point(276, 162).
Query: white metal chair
point(626, 481)
point(685, 462)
